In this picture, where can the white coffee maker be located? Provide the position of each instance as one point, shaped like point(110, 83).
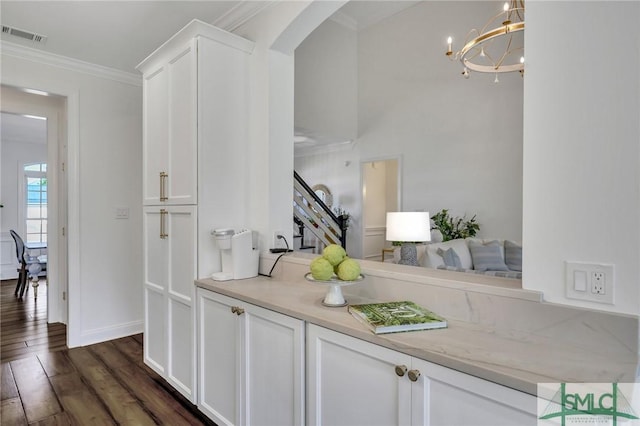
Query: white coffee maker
point(239, 254)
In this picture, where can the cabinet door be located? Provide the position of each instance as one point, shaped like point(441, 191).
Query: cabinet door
point(155, 134)
point(219, 346)
point(181, 182)
point(169, 272)
point(353, 382)
point(442, 396)
point(155, 286)
point(180, 236)
point(273, 380)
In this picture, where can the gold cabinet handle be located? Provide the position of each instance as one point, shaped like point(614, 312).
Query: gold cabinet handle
point(163, 186)
point(239, 311)
point(163, 231)
point(234, 309)
point(414, 375)
point(401, 370)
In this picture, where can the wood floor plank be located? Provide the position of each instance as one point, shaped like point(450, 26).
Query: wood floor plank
point(122, 405)
point(38, 399)
point(60, 419)
point(55, 363)
point(151, 393)
point(11, 412)
point(80, 403)
point(8, 387)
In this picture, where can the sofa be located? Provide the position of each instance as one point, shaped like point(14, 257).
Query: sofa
point(499, 258)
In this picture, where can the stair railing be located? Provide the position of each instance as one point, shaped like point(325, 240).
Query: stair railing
point(316, 216)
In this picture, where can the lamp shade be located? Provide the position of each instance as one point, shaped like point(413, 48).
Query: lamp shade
point(408, 226)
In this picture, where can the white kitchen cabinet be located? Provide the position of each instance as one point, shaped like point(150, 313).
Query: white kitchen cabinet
point(169, 271)
point(353, 382)
point(170, 134)
point(250, 363)
point(195, 98)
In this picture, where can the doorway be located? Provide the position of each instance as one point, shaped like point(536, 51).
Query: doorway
point(380, 194)
point(28, 108)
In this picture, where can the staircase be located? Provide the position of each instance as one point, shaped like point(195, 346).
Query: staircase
point(316, 225)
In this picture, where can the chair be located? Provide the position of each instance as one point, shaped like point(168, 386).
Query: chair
point(25, 261)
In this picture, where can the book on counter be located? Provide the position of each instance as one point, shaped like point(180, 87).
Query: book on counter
point(393, 317)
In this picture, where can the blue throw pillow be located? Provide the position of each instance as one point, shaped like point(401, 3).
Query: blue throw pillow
point(487, 257)
point(450, 257)
point(513, 255)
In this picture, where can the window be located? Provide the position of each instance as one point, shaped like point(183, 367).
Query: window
point(36, 208)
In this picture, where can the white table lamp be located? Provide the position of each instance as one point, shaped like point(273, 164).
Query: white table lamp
point(408, 228)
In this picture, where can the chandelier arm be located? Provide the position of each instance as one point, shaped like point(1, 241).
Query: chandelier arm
point(479, 43)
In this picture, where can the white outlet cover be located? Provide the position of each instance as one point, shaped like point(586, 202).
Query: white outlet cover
point(574, 276)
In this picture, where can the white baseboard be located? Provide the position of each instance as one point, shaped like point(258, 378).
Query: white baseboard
point(89, 337)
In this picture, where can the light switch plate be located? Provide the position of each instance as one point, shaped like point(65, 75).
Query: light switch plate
point(122, 212)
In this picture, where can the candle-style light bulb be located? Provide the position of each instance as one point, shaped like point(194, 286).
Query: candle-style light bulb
point(506, 6)
point(522, 59)
point(449, 42)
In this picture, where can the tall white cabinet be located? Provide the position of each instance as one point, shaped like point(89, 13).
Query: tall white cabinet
point(195, 89)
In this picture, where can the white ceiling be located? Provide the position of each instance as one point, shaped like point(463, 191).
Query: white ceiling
point(120, 34)
point(117, 34)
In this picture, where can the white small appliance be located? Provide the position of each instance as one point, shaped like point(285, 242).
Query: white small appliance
point(239, 254)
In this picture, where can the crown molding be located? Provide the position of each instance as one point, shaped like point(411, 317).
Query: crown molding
point(241, 13)
point(52, 59)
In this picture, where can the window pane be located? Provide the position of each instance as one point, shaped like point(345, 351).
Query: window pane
point(33, 212)
point(33, 226)
point(36, 202)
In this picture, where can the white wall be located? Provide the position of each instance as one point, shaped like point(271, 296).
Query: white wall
point(105, 297)
point(326, 84)
point(581, 145)
point(460, 140)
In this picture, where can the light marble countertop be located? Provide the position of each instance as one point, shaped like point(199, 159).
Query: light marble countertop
point(513, 358)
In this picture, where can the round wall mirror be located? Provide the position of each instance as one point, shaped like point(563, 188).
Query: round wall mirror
point(324, 194)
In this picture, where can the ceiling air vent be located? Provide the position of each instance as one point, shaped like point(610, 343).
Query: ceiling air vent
point(27, 35)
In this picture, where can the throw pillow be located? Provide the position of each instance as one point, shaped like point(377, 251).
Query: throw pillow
point(487, 257)
point(513, 255)
point(450, 257)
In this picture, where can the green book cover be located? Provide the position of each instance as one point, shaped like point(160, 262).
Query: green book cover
point(392, 317)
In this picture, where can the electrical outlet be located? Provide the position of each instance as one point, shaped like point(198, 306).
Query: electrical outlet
point(592, 282)
point(598, 281)
point(277, 242)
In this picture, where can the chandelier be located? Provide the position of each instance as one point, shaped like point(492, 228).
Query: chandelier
point(498, 47)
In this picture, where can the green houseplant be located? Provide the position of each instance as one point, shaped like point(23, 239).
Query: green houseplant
point(454, 227)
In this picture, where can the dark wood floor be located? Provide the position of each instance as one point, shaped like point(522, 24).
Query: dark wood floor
point(23, 324)
point(103, 384)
